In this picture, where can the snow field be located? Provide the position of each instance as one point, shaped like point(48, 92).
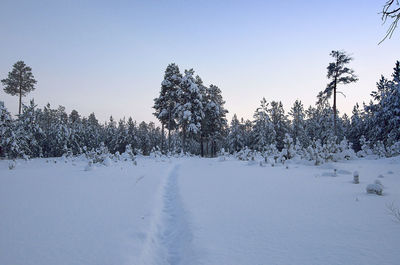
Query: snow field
point(198, 211)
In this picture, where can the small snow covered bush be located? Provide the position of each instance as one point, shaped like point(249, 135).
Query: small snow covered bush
point(376, 188)
point(89, 166)
point(128, 154)
point(356, 179)
point(12, 164)
point(101, 155)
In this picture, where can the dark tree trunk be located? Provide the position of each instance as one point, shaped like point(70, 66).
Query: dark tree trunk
point(162, 138)
point(202, 146)
point(20, 100)
point(169, 131)
point(334, 108)
point(183, 139)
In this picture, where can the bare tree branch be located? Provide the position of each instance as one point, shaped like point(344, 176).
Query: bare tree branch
point(391, 10)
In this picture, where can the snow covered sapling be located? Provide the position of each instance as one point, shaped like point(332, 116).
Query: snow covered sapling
point(356, 179)
point(12, 164)
point(89, 166)
point(365, 149)
point(376, 188)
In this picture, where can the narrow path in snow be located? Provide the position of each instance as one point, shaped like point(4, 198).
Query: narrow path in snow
point(170, 235)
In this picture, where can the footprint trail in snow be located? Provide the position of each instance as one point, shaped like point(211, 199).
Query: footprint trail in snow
point(170, 236)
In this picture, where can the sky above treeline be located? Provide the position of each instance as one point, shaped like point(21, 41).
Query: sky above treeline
point(109, 57)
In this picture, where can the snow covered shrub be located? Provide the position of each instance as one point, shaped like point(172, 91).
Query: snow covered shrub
point(365, 149)
point(128, 154)
point(89, 166)
point(288, 151)
point(101, 155)
point(379, 149)
point(346, 151)
point(356, 179)
point(314, 152)
point(11, 164)
point(155, 152)
point(106, 161)
point(394, 149)
point(244, 154)
point(222, 155)
point(376, 188)
point(378, 182)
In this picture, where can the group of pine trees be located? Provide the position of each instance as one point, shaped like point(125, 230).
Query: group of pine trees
point(52, 132)
point(193, 120)
point(197, 111)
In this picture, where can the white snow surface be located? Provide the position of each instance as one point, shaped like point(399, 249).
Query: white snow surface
point(197, 211)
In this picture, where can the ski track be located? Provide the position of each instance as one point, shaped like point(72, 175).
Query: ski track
point(169, 239)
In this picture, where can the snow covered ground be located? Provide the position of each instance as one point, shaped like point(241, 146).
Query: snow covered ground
point(197, 211)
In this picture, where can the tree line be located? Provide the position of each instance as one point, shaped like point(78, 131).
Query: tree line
point(193, 120)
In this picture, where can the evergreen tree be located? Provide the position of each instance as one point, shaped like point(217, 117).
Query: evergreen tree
point(384, 112)
point(235, 137)
point(263, 129)
point(166, 103)
point(338, 73)
point(20, 81)
point(279, 121)
point(297, 128)
point(215, 122)
point(189, 110)
point(356, 129)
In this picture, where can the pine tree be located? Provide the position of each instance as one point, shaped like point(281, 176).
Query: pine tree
point(279, 121)
point(9, 142)
point(338, 73)
point(144, 142)
point(20, 81)
point(215, 122)
point(166, 103)
point(297, 128)
point(189, 110)
point(263, 129)
point(356, 130)
point(235, 137)
point(384, 111)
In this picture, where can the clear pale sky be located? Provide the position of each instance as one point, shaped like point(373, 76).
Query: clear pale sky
point(109, 57)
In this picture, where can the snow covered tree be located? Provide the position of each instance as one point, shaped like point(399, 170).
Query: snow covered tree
point(30, 131)
point(214, 123)
point(110, 132)
point(20, 81)
point(189, 109)
point(338, 73)
point(9, 142)
point(263, 129)
point(235, 137)
point(384, 112)
point(143, 135)
point(279, 121)
point(297, 125)
point(121, 137)
point(165, 104)
point(319, 122)
point(356, 129)
point(131, 134)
